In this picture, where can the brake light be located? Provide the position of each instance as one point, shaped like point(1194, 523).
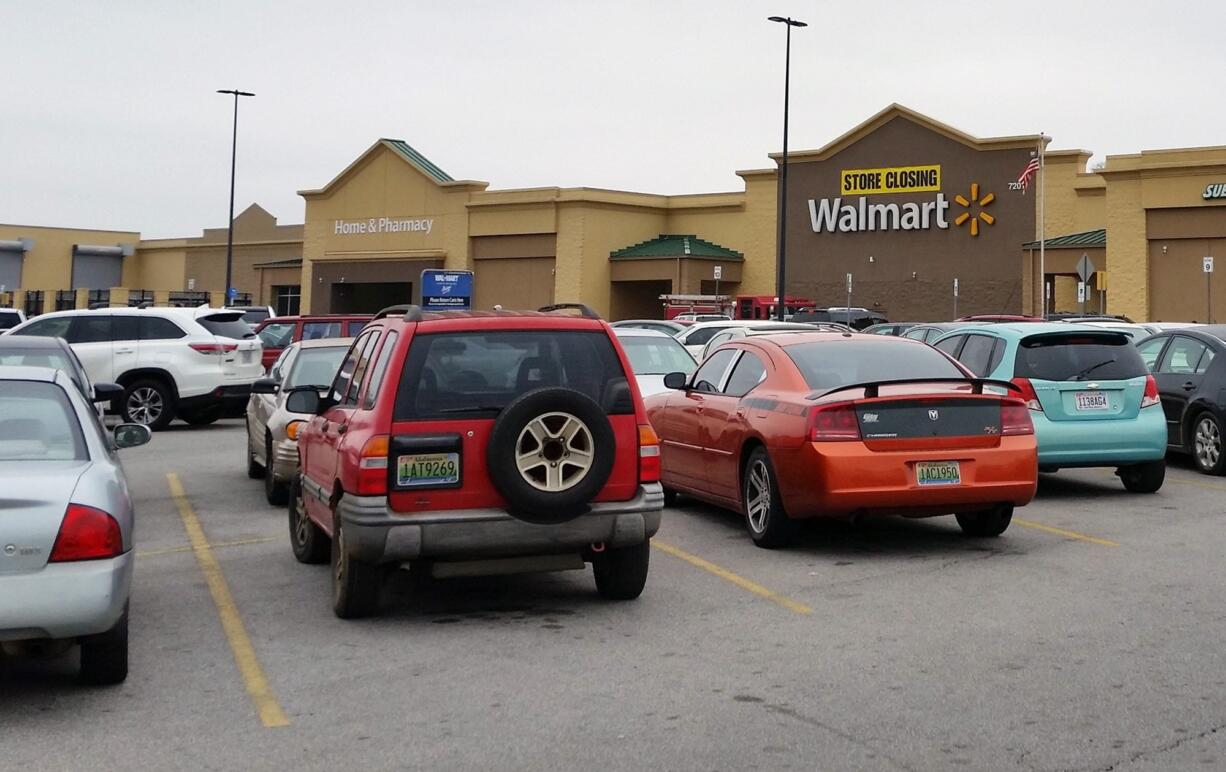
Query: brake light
point(1028, 395)
point(213, 349)
point(649, 455)
point(372, 467)
point(834, 423)
point(1015, 418)
point(1151, 397)
point(86, 534)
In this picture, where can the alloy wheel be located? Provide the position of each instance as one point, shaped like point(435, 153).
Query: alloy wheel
point(554, 452)
point(302, 523)
point(758, 496)
point(145, 405)
point(1208, 443)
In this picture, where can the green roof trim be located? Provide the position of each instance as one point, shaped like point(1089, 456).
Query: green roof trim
point(676, 245)
point(1096, 238)
point(407, 152)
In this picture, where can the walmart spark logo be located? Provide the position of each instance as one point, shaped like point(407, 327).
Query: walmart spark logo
point(974, 203)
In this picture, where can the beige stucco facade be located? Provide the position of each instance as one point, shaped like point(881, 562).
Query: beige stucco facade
point(370, 232)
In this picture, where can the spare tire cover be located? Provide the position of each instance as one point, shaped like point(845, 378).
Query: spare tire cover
point(550, 453)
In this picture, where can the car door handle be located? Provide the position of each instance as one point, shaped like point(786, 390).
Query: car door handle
point(342, 428)
point(740, 412)
point(125, 351)
point(1189, 386)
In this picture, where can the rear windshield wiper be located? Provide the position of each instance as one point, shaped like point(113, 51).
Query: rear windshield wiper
point(1079, 376)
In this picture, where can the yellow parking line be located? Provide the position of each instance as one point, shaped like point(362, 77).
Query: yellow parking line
point(726, 575)
point(1064, 533)
point(215, 545)
point(266, 704)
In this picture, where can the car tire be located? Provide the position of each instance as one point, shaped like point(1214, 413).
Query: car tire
point(1143, 478)
point(562, 425)
point(148, 402)
point(992, 522)
point(767, 521)
point(307, 540)
point(255, 470)
point(356, 585)
point(1207, 444)
point(104, 658)
point(670, 497)
point(621, 572)
point(275, 491)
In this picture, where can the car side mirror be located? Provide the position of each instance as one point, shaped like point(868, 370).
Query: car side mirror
point(675, 381)
point(106, 392)
point(265, 386)
point(306, 399)
point(131, 435)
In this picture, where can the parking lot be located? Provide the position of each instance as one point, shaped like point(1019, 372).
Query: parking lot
point(1087, 637)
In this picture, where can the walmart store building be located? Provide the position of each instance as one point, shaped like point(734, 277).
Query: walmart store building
point(903, 203)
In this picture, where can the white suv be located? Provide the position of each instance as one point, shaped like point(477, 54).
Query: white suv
point(197, 364)
point(11, 317)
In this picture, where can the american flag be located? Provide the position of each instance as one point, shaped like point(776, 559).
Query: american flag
point(1031, 169)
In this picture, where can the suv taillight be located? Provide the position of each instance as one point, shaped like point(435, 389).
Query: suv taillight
point(86, 534)
point(1028, 394)
point(834, 423)
point(1015, 418)
point(649, 455)
point(372, 467)
point(1151, 397)
point(213, 349)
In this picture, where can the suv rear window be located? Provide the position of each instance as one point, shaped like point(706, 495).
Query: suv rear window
point(831, 364)
point(227, 325)
point(1078, 357)
point(450, 375)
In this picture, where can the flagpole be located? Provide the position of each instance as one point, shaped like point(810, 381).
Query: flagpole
point(1042, 229)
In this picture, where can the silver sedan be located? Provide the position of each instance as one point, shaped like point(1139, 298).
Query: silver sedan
point(66, 530)
point(272, 431)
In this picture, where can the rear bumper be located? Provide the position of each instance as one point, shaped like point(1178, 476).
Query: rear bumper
point(1101, 443)
point(231, 399)
point(845, 478)
point(65, 600)
point(375, 534)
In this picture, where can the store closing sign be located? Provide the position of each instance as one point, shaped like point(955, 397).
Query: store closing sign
point(446, 290)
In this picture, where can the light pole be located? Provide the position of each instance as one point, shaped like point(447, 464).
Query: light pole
point(780, 275)
point(230, 222)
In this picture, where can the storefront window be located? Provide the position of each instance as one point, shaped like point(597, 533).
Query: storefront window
point(287, 299)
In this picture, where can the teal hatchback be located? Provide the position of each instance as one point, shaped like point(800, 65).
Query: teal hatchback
point(1091, 398)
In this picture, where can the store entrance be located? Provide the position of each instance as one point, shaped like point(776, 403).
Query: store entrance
point(369, 297)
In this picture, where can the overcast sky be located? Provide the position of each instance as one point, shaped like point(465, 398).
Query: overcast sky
point(110, 119)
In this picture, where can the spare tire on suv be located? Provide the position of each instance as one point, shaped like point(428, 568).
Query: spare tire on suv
point(550, 453)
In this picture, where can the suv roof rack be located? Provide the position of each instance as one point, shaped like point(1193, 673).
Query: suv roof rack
point(583, 309)
point(98, 306)
point(410, 312)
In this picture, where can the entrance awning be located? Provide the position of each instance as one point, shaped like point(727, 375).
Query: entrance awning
point(683, 259)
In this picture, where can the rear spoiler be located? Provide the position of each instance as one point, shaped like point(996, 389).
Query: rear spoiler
point(873, 388)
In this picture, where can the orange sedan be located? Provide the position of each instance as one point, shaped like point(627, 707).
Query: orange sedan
point(793, 426)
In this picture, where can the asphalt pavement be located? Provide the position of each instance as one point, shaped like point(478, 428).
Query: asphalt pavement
point(1088, 637)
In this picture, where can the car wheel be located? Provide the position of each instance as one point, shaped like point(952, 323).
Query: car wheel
point(307, 540)
point(550, 452)
point(670, 497)
point(1207, 444)
point(274, 490)
point(993, 522)
point(621, 572)
point(148, 402)
point(255, 470)
point(1143, 478)
point(768, 523)
point(104, 658)
point(355, 584)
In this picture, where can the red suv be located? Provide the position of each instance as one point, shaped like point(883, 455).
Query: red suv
point(278, 332)
point(477, 443)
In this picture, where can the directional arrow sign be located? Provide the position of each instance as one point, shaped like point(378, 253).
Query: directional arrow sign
point(1085, 268)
